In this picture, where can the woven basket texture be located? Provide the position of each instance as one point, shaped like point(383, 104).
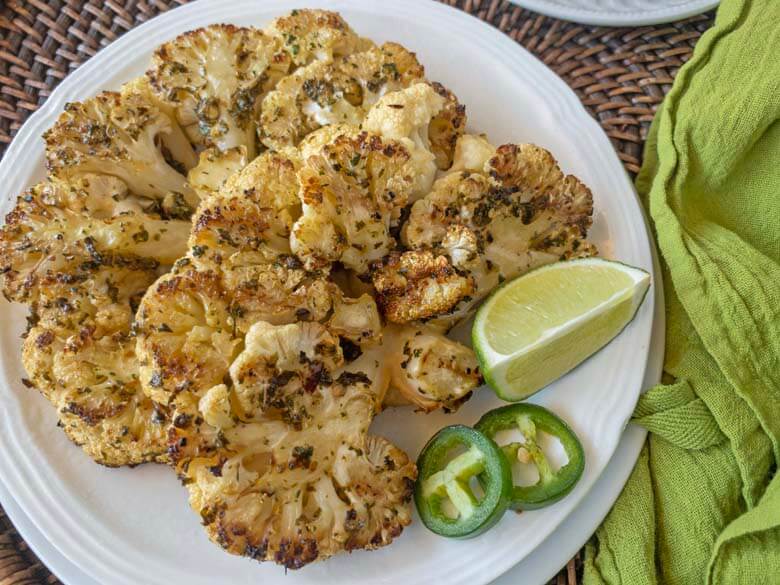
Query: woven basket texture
point(620, 74)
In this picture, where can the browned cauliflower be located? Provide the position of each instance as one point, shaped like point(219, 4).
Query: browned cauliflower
point(316, 35)
point(292, 474)
point(215, 78)
point(427, 120)
point(415, 285)
point(340, 92)
point(427, 369)
point(125, 135)
point(97, 217)
point(81, 256)
point(350, 191)
point(472, 152)
point(214, 168)
point(446, 127)
point(517, 213)
point(80, 355)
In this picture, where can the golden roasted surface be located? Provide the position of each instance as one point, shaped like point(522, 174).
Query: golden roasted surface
point(81, 256)
point(427, 369)
point(350, 191)
point(340, 92)
point(126, 135)
point(446, 127)
point(418, 284)
point(215, 167)
point(215, 78)
point(517, 213)
point(309, 35)
point(292, 475)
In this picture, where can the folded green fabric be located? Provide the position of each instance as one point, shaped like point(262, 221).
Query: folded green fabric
point(703, 503)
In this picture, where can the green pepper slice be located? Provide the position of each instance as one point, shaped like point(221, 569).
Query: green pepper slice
point(440, 479)
point(528, 418)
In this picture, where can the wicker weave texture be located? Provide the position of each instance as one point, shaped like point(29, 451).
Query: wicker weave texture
point(620, 74)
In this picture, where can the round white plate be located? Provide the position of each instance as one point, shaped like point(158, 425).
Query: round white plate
point(535, 569)
point(619, 12)
point(134, 526)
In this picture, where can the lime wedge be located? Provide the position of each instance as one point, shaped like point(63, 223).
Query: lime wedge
point(539, 326)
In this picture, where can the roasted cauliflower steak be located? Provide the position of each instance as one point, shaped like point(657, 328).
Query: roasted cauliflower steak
point(292, 474)
point(81, 256)
point(516, 213)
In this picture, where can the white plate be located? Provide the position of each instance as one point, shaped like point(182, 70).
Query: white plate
point(535, 569)
point(134, 526)
point(619, 12)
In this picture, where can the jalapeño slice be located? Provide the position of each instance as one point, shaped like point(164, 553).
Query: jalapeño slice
point(530, 418)
point(441, 479)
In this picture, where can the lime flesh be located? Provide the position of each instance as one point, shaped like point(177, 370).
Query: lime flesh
point(539, 326)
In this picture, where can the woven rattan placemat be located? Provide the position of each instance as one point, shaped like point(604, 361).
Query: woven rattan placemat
point(621, 75)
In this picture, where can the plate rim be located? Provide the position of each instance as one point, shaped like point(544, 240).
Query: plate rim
point(566, 102)
point(603, 17)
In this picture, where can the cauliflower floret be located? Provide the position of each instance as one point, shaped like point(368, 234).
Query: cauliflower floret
point(125, 135)
point(253, 212)
point(187, 336)
point(518, 213)
point(446, 127)
point(214, 167)
point(316, 35)
point(314, 142)
point(356, 319)
point(405, 116)
point(350, 191)
point(427, 369)
point(427, 120)
point(215, 407)
point(472, 152)
point(297, 478)
point(418, 284)
point(99, 196)
point(340, 92)
point(214, 78)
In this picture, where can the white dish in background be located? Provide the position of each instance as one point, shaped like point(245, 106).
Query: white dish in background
point(131, 526)
point(619, 12)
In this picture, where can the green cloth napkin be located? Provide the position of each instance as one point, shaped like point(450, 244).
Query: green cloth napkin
point(703, 503)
